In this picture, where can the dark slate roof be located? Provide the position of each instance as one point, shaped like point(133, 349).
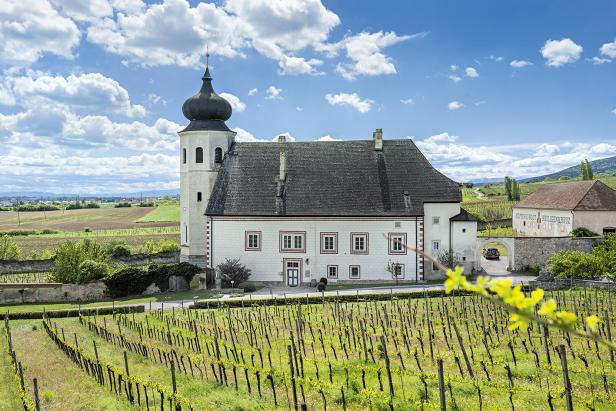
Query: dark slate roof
point(345, 178)
point(588, 195)
point(463, 215)
point(206, 110)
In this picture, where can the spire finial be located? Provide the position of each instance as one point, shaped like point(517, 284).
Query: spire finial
point(207, 55)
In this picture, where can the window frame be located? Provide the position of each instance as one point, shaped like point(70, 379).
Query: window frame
point(390, 247)
point(323, 235)
point(327, 274)
point(247, 235)
point(366, 243)
point(402, 270)
point(199, 152)
point(438, 249)
point(218, 158)
point(293, 234)
point(184, 155)
point(199, 196)
point(351, 267)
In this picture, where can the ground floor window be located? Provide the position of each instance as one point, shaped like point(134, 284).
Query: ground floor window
point(397, 271)
point(332, 271)
point(354, 272)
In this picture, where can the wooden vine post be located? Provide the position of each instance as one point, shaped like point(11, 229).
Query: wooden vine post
point(563, 361)
point(388, 368)
point(441, 384)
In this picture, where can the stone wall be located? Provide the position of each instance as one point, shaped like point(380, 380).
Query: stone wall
point(537, 250)
point(51, 293)
point(39, 266)
point(568, 283)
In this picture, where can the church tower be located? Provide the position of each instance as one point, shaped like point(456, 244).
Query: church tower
point(203, 146)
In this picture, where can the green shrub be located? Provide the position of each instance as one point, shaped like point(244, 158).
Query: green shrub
point(583, 232)
point(118, 249)
point(49, 231)
point(92, 204)
point(125, 204)
point(9, 250)
point(248, 287)
point(135, 280)
point(70, 255)
point(37, 207)
point(575, 264)
point(605, 253)
point(323, 280)
point(233, 273)
point(321, 286)
point(168, 246)
point(90, 270)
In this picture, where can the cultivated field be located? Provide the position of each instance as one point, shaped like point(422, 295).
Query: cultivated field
point(337, 355)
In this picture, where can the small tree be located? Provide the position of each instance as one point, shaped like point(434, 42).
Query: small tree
point(232, 272)
point(9, 250)
point(449, 259)
point(70, 255)
point(583, 232)
point(508, 188)
point(589, 170)
point(395, 268)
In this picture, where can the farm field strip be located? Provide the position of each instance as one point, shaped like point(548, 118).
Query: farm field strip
point(355, 355)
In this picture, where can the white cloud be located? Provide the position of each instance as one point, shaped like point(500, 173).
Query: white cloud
point(471, 72)
point(328, 138)
point(244, 136)
point(298, 108)
point(298, 65)
point(365, 52)
point(609, 49)
point(84, 92)
point(154, 98)
point(599, 60)
point(29, 29)
point(464, 162)
point(273, 93)
point(453, 67)
point(352, 100)
point(252, 91)
point(520, 63)
point(560, 52)
point(614, 111)
point(455, 105)
point(496, 58)
point(454, 77)
point(236, 104)
point(407, 101)
point(84, 10)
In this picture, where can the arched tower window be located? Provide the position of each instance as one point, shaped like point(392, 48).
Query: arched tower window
point(218, 155)
point(184, 155)
point(199, 155)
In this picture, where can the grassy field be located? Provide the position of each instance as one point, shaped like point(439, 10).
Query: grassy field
point(162, 213)
point(240, 359)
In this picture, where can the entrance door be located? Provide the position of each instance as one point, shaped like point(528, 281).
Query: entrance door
point(292, 273)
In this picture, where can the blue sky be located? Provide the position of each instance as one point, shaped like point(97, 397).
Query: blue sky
point(91, 90)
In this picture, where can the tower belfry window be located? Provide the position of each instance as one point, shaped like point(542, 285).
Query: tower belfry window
point(184, 155)
point(199, 155)
point(218, 155)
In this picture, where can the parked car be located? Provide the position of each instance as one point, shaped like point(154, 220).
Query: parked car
point(491, 253)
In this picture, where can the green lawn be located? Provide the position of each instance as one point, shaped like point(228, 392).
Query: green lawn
point(162, 213)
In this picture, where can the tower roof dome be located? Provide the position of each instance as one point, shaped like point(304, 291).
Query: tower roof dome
point(206, 110)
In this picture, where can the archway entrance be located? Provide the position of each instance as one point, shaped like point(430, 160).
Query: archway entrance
point(492, 265)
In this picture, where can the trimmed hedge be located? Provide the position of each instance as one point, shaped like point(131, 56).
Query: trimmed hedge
point(75, 312)
point(135, 280)
point(319, 299)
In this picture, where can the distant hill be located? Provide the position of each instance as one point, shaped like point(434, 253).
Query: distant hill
point(604, 165)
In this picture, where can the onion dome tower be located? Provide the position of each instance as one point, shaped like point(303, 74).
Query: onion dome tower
point(204, 144)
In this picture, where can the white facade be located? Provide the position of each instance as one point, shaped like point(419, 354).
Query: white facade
point(464, 243)
point(534, 222)
point(597, 221)
point(196, 182)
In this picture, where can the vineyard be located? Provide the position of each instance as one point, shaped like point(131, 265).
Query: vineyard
point(403, 353)
point(490, 210)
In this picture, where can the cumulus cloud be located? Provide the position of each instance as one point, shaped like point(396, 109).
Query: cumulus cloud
point(407, 101)
point(236, 104)
point(609, 49)
point(252, 91)
point(29, 29)
point(471, 72)
point(244, 136)
point(273, 93)
point(599, 60)
point(520, 63)
point(464, 162)
point(560, 52)
point(352, 100)
point(84, 10)
point(328, 138)
point(454, 77)
point(455, 105)
point(365, 52)
point(84, 92)
point(614, 111)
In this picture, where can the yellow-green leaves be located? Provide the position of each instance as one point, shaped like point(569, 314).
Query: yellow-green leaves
point(455, 280)
point(592, 321)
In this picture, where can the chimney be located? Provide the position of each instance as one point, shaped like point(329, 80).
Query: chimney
point(282, 139)
point(407, 200)
point(283, 165)
point(377, 136)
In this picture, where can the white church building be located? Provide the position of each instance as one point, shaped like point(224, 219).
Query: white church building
point(297, 211)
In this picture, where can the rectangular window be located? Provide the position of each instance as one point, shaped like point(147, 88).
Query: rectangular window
point(184, 155)
point(332, 271)
point(436, 220)
point(397, 243)
point(397, 271)
point(436, 248)
point(293, 242)
point(354, 272)
point(464, 230)
point(198, 195)
point(329, 243)
point(359, 243)
point(252, 241)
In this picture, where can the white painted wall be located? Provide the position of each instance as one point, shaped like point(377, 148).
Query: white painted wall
point(532, 222)
point(194, 178)
point(228, 235)
point(437, 232)
point(464, 243)
point(594, 220)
